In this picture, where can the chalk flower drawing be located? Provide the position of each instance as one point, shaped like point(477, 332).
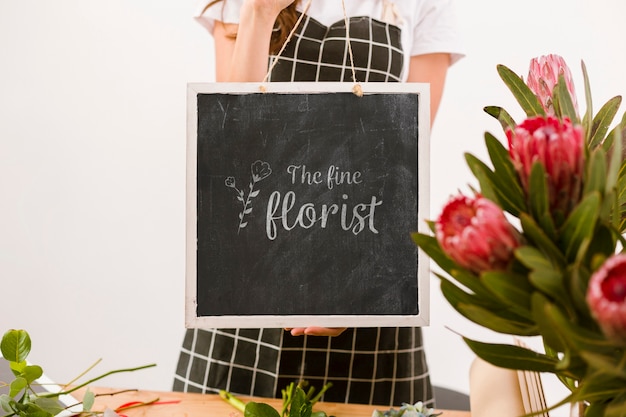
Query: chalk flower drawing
point(259, 170)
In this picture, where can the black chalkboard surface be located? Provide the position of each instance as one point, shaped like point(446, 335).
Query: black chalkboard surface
point(301, 201)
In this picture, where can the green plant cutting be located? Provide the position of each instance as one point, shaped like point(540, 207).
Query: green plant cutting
point(22, 400)
point(296, 402)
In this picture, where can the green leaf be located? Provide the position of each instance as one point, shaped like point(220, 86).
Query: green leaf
point(563, 100)
point(32, 372)
point(602, 121)
point(15, 345)
point(18, 367)
point(496, 186)
point(299, 406)
point(615, 162)
point(7, 403)
point(596, 172)
point(17, 386)
point(577, 337)
point(523, 94)
point(505, 119)
point(606, 364)
point(479, 310)
point(49, 405)
point(485, 177)
point(512, 357)
point(254, 409)
point(533, 259)
point(580, 224)
point(615, 409)
point(506, 181)
point(430, 246)
point(544, 276)
point(599, 387)
point(588, 99)
point(619, 131)
point(550, 282)
point(578, 281)
point(455, 295)
point(621, 200)
point(88, 400)
point(501, 321)
point(32, 410)
point(536, 235)
point(539, 199)
point(551, 337)
point(513, 290)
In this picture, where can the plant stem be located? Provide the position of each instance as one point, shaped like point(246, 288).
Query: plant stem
point(117, 371)
point(138, 404)
point(322, 391)
point(83, 373)
point(232, 400)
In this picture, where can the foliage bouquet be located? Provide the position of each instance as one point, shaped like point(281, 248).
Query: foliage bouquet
point(537, 249)
point(24, 400)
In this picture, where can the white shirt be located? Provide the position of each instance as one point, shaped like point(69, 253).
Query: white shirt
point(428, 26)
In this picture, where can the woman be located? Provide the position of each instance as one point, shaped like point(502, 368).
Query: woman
point(401, 40)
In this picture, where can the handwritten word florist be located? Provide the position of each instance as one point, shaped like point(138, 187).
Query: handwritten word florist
point(282, 210)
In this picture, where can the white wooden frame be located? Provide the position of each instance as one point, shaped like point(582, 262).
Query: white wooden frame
point(279, 321)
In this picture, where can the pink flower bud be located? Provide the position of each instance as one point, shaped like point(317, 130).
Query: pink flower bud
point(475, 234)
point(559, 147)
point(606, 296)
point(543, 76)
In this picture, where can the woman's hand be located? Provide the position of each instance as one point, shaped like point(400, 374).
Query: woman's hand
point(269, 8)
point(316, 331)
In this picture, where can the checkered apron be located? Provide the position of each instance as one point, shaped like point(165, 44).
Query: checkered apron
point(381, 366)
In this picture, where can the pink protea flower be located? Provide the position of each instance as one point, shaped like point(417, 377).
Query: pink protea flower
point(606, 296)
point(543, 75)
point(475, 234)
point(559, 146)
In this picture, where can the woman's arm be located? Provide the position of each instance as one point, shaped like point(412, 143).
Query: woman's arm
point(244, 58)
point(430, 68)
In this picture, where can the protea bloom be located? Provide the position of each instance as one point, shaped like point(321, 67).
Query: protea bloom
point(475, 234)
point(558, 146)
point(606, 296)
point(543, 76)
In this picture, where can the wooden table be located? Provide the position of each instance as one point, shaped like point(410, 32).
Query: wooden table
point(177, 404)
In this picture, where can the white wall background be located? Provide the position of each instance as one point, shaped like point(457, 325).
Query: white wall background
point(92, 165)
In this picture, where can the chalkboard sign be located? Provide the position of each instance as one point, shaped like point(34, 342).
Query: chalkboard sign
point(300, 204)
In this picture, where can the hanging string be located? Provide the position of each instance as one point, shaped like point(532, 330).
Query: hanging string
point(282, 48)
point(356, 89)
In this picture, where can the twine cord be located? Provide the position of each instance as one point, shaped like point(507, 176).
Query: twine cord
point(356, 89)
point(282, 48)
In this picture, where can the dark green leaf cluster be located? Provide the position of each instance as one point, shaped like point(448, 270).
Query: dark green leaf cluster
point(543, 292)
point(22, 400)
point(296, 402)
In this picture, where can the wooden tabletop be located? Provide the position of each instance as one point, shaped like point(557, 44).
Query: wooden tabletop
point(177, 404)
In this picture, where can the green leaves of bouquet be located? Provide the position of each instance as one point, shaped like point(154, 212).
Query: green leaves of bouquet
point(537, 250)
